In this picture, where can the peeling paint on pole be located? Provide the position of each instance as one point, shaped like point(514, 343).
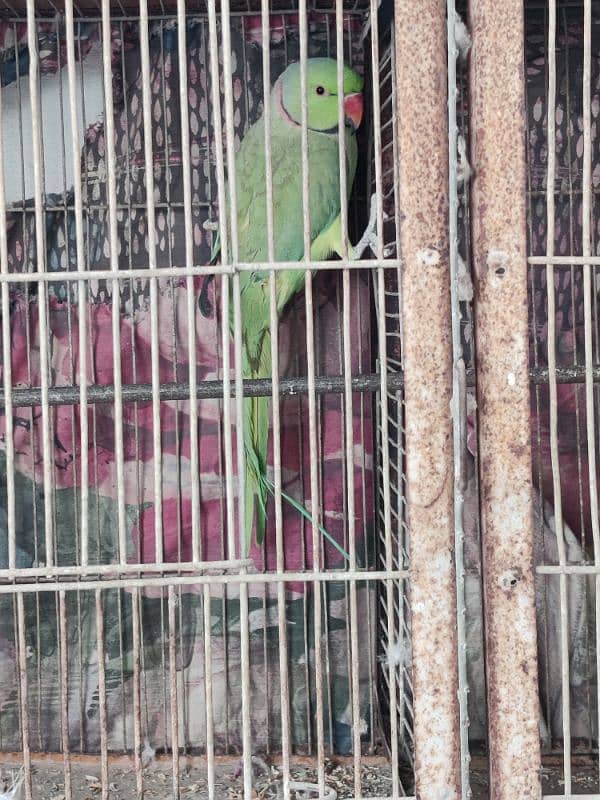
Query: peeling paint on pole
point(500, 258)
point(427, 360)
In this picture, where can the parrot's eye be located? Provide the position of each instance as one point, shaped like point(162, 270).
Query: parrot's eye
point(320, 90)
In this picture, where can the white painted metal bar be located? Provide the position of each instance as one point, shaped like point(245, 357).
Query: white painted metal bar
point(23, 692)
point(317, 550)
point(103, 714)
point(239, 397)
point(348, 404)
point(312, 404)
point(42, 304)
point(189, 258)
point(123, 569)
point(64, 692)
point(568, 569)
point(7, 367)
point(245, 578)
point(303, 34)
point(111, 191)
point(82, 294)
point(552, 384)
point(339, 46)
point(351, 521)
point(154, 339)
point(562, 261)
point(589, 300)
point(284, 689)
point(136, 634)
point(182, 272)
point(229, 269)
point(71, 317)
point(208, 693)
point(173, 599)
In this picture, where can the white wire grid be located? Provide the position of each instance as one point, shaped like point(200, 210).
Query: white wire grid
point(568, 181)
point(83, 574)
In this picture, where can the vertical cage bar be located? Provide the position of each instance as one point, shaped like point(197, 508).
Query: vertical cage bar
point(154, 336)
point(208, 693)
point(23, 692)
point(111, 192)
point(553, 397)
point(500, 250)
point(239, 396)
point(421, 28)
point(589, 300)
point(312, 403)
point(81, 285)
point(277, 476)
point(7, 366)
point(136, 688)
point(103, 713)
point(40, 252)
point(189, 288)
point(172, 602)
point(64, 692)
point(225, 282)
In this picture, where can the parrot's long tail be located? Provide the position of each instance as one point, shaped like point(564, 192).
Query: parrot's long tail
point(258, 486)
point(270, 487)
point(257, 364)
point(256, 438)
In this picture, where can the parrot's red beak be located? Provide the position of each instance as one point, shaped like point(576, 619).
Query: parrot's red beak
point(353, 108)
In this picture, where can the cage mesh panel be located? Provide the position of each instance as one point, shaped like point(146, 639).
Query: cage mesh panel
point(569, 322)
point(122, 612)
point(393, 654)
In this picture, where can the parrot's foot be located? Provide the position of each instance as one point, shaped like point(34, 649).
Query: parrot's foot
point(370, 237)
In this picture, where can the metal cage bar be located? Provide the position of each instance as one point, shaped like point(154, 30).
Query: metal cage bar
point(499, 247)
point(422, 100)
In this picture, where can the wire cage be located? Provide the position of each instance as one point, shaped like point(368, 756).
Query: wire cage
point(562, 66)
point(344, 653)
point(133, 620)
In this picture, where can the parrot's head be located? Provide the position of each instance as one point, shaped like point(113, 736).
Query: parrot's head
point(322, 95)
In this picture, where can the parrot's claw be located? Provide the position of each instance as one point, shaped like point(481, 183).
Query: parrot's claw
point(370, 237)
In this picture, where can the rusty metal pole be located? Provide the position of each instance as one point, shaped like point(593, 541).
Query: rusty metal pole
point(420, 31)
point(501, 325)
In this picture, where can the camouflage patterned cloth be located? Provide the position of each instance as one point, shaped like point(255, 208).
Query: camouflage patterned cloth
point(65, 316)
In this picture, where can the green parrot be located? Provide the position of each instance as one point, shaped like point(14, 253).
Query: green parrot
point(325, 232)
